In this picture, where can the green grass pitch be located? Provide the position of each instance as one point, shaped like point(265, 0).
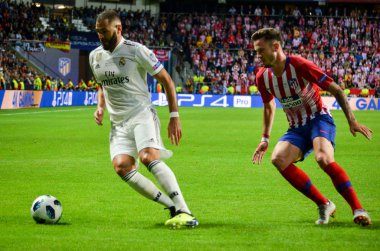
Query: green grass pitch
point(62, 152)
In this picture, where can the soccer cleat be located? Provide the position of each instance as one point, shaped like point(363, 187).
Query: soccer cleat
point(362, 218)
point(325, 212)
point(182, 220)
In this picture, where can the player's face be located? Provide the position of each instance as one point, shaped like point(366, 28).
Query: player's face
point(265, 52)
point(108, 34)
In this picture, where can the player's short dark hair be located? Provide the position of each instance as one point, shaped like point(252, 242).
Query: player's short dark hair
point(269, 34)
point(109, 15)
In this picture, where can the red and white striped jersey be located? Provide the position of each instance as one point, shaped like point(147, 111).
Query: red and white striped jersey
point(297, 89)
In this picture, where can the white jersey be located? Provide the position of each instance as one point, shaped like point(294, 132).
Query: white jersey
point(122, 75)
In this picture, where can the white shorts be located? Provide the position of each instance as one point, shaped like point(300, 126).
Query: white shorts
point(137, 133)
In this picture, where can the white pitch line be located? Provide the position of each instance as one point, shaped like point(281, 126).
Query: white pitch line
point(28, 113)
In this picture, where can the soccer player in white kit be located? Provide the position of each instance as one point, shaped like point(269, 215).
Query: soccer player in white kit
point(120, 66)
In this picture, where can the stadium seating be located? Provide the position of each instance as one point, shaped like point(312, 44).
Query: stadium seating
point(338, 40)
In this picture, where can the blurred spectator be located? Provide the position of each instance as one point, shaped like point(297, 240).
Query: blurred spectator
point(37, 83)
point(61, 85)
point(70, 85)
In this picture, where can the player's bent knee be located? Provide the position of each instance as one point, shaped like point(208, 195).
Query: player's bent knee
point(323, 159)
point(147, 156)
point(148, 161)
point(122, 167)
point(278, 162)
point(119, 170)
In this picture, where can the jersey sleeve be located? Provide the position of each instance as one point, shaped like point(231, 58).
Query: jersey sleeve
point(91, 60)
point(148, 60)
point(314, 74)
point(265, 95)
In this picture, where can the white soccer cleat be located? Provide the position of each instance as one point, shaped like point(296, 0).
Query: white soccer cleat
point(362, 218)
point(325, 212)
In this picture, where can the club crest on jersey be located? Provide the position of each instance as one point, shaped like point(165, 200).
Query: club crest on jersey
point(152, 57)
point(293, 83)
point(98, 56)
point(122, 61)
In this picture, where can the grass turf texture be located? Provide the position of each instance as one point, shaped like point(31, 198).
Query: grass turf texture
point(62, 152)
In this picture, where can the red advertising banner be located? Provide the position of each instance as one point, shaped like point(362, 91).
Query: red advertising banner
point(162, 55)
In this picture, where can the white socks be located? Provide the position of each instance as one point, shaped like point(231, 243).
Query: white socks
point(146, 188)
point(168, 181)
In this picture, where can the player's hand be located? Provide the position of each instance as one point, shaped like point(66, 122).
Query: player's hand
point(98, 115)
point(259, 152)
point(174, 130)
point(357, 127)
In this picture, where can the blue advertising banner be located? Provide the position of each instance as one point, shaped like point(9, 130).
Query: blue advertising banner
point(28, 99)
point(84, 40)
point(25, 99)
point(65, 98)
point(1, 97)
point(198, 100)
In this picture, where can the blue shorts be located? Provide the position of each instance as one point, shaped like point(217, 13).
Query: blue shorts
point(302, 137)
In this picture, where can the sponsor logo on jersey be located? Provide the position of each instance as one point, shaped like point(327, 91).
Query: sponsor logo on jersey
point(115, 81)
point(122, 61)
point(292, 101)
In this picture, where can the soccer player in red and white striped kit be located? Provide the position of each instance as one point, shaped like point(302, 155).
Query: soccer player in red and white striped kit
point(295, 82)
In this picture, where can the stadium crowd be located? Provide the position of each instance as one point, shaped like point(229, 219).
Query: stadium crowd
point(345, 45)
point(15, 74)
point(342, 41)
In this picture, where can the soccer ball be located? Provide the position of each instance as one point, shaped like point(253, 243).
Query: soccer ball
point(46, 209)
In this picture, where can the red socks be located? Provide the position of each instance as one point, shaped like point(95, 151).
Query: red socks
point(343, 185)
point(299, 179)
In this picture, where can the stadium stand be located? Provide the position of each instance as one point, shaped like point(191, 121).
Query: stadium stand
point(215, 47)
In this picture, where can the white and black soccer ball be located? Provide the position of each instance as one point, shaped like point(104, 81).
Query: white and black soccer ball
point(46, 209)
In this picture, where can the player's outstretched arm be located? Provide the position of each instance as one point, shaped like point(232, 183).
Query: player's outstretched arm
point(268, 116)
point(354, 125)
point(174, 127)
